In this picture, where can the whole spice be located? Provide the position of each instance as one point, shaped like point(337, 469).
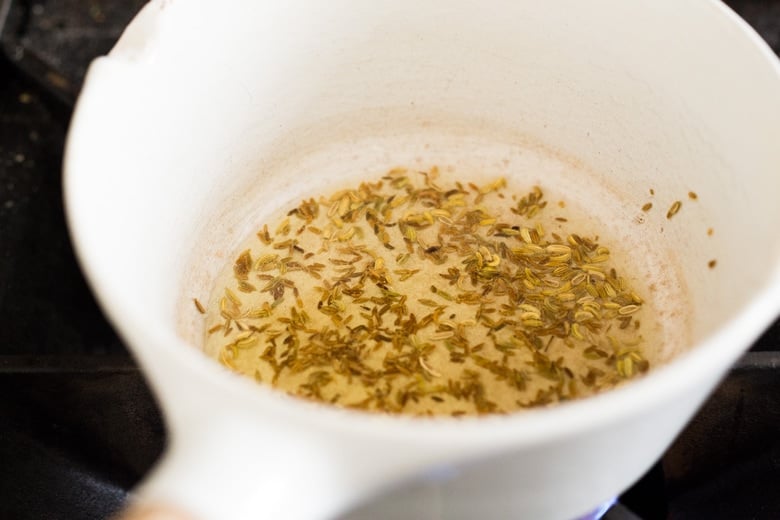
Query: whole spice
point(673, 209)
point(199, 306)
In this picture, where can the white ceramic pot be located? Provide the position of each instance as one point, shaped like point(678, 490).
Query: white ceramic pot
point(175, 140)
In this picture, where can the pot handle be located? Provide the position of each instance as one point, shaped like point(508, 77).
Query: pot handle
point(228, 466)
point(153, 512)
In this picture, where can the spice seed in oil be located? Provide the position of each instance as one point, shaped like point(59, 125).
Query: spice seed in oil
point(415, 294)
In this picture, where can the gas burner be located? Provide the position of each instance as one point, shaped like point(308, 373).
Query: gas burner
point(600, 511)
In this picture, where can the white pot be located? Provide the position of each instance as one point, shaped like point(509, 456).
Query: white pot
point(173, 141)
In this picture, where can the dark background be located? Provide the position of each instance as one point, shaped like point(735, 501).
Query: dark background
point(78, 426)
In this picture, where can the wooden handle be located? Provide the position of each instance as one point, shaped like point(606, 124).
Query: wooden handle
point(152, 512)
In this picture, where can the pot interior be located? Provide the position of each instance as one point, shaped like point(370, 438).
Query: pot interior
point(229, 125)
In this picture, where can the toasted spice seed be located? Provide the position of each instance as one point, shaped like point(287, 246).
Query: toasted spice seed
point(712, 263)
point(405, 274)
point(199, 306)
point(673, 209)
point(647, 207)
point(214, 329)
point(427, 368)
point(264, 235)
point(710, 232)
point(232, 297)
point(628, 309)
point(246, 287)
point(692, 195)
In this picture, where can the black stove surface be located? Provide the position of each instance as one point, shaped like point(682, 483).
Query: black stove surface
point(78, 425)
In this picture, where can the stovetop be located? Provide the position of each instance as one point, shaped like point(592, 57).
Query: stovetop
point(78, 425)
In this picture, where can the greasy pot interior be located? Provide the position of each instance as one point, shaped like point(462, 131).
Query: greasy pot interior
point(632, 100)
